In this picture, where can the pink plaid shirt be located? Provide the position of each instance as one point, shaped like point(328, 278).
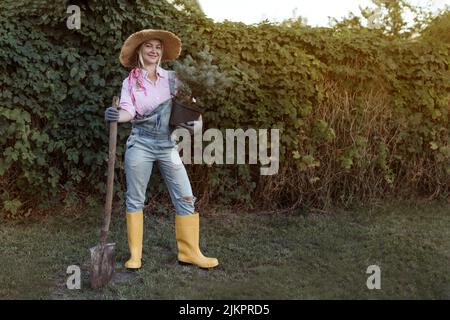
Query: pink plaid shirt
point(147, 98)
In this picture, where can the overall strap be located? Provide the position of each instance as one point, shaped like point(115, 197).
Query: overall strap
point(172, 82)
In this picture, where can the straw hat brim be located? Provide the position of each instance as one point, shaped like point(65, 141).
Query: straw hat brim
point(171, 45)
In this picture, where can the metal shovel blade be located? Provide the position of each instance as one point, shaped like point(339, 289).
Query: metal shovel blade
point(103, 259)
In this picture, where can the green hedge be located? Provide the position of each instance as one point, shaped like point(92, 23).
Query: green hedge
point(362, 114)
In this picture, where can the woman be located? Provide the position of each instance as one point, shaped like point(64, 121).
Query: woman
point(146, 102)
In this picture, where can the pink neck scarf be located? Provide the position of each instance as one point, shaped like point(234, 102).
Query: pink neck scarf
point(137, 75)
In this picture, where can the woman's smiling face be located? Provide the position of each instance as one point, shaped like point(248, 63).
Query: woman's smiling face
point(151, 51)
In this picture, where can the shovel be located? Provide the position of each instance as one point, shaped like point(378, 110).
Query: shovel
point(103, 255)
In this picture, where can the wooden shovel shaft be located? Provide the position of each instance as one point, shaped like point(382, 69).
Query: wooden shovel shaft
point(110, 180)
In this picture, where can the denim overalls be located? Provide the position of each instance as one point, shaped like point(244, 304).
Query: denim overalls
point(150, 141)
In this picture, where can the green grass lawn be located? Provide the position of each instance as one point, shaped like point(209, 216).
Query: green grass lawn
point(298, 256)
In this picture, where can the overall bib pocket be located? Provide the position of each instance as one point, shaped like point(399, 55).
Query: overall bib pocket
point(131, 141)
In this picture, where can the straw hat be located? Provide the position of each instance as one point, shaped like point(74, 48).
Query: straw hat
point(171, 45)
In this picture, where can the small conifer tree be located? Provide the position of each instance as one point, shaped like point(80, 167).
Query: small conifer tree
point(199, 78)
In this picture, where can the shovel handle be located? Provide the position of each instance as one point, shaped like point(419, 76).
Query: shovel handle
point(110, 180)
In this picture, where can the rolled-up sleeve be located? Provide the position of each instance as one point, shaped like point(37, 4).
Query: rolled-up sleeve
point(125, 99)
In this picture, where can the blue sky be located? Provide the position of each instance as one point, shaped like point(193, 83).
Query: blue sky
point(316, 11)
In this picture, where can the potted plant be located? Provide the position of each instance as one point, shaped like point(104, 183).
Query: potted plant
point(198, 79)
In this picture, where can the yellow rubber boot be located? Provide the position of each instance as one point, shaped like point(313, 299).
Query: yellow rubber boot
point(135, 229)
point(187, 235)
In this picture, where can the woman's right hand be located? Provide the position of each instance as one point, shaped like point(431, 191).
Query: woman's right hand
point(112, 114)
